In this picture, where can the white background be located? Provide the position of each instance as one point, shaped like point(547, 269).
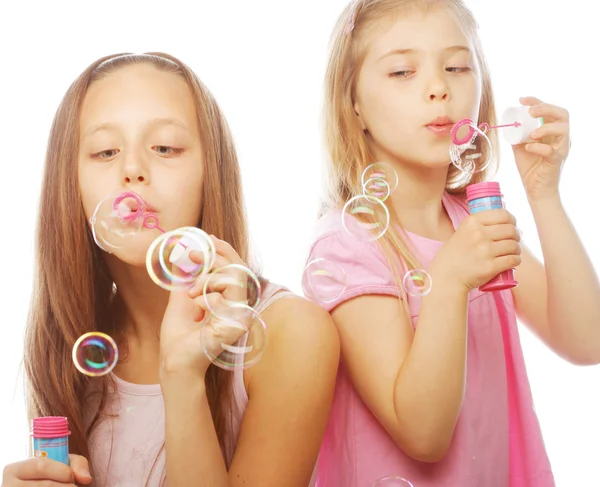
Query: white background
point(264, 61)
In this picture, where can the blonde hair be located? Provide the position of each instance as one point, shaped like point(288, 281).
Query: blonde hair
point(70, 300)
point(347, 144)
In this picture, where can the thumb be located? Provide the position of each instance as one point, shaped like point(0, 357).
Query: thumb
point(80, 468)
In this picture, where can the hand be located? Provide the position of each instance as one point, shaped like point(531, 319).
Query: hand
point(484, 245)
point(45, 472)
point(540, 163)
point(187, 313)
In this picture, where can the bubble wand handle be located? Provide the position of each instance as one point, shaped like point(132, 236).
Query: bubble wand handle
point(151, 223)
point(484, 127)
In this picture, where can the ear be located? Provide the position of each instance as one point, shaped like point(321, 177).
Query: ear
point(360, 119)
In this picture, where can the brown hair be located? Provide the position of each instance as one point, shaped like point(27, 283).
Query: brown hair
point(346, 142)
point(70, 300)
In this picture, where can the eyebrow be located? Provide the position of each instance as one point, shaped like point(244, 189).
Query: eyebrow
point(156, 121)
point(414, 51)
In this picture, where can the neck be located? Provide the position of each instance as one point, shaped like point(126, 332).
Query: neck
point(142, 303)
point(417, 201)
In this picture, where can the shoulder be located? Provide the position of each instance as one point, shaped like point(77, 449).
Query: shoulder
point(344, 239)
point(301, 340)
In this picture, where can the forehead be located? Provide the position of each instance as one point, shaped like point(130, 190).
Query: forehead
point(428, 30)
point(135, 94)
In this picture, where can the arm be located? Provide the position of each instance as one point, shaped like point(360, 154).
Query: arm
point(561, 302)
point(290, 392)
point(412, 381)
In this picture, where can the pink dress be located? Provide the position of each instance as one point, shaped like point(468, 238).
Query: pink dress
point(497, 441)
point(124, 448)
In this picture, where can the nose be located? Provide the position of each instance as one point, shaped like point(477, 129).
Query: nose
point(438, 89)
point(135, 170)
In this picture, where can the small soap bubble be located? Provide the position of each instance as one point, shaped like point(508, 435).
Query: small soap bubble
point(168, 262)
point(392, 481)
point(470, 157)
point(417, 282)
point(377, 188)
point(235, 339)
point(117, 219)
point(236, 284)
point(323, 281)
point(365, 218)
point(95, 354)
point(381, 170)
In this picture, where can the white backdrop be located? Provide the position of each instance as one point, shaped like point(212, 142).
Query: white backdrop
point(264, 61)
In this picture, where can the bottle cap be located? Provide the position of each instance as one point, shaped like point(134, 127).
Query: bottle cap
point(50, 427)
point(483, 190)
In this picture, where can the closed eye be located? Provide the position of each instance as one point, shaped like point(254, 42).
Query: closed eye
point(401, 74)
point(105, 154)
point(458, 70)
point(165, 150)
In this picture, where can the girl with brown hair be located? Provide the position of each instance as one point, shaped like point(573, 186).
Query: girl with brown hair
point(145, 123)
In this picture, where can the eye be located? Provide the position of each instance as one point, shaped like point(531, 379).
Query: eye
point(462, 69)
point(105, 154)
point(165, 150)
point(401, 74)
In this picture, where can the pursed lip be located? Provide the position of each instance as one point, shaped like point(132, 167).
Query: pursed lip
point(441, 122)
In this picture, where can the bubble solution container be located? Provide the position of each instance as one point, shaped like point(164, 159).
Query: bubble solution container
point(487, 196)
point(50, 436)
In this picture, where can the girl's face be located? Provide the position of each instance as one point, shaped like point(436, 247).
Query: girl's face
point(139, 132)
point(418, 67)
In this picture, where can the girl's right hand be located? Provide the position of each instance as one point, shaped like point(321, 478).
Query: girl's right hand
point(484, 245)
point(43, 472)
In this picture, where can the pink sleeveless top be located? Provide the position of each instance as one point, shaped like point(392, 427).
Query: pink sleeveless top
point(124, 449)
point(497, 441)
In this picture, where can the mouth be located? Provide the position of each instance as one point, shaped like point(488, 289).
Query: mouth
point(132, 207)
point(441, 126)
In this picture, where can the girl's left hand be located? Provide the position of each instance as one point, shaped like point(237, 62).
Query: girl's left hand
point(540, 163)
point(188, 321)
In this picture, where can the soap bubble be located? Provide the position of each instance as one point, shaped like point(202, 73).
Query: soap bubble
point(377, 188)
point(323, 281)
point(392, 482)
point(95, 354)
point(235, 338)
point(417, 282)
point(168, 262)
point(117, 219)
point(468, 156)
point(237, 285)
point(381, 170)
point(365, 218)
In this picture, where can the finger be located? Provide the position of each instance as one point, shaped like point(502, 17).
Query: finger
point(226, 250)
point(505, 262)
point(210, 302)
point(495, 217)
point(503, 231)
point(200, 258)
point(530, 101)
point(198, 287)
point(554, 129)
point(506, 247)
point(40, 468)
point(549, 113)
point(81, 468)
point(545, 151)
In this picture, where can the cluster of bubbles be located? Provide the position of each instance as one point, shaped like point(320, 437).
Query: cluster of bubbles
point(364, 217)
point(233, 333)
point(469, 145)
